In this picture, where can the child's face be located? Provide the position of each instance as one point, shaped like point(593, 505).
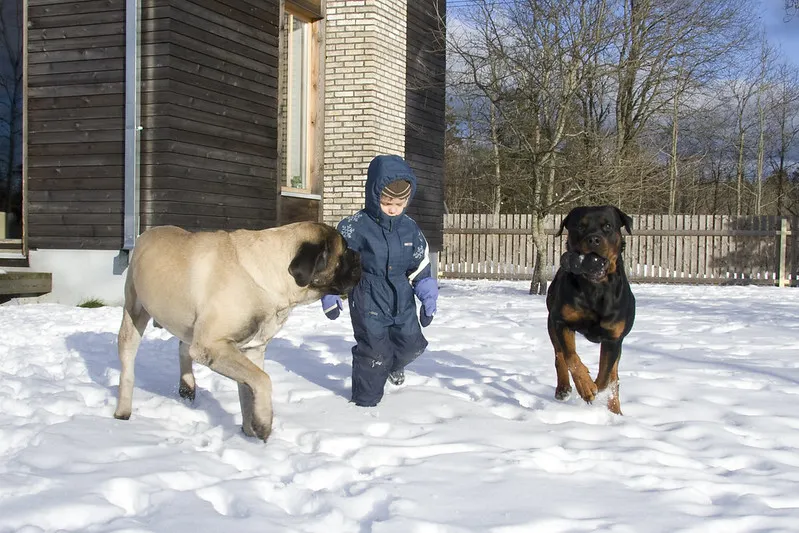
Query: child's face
point(392, 206)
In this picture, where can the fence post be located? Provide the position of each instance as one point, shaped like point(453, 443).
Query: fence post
point(783, 281)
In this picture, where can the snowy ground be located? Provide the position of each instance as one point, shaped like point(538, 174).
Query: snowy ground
point(474, 440)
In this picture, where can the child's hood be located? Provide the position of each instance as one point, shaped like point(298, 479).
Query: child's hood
point(383, 170)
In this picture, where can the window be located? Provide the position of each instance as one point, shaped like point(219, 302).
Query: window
point(11, 119)
point(299, 98)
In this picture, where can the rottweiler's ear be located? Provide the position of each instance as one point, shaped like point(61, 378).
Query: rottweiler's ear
point(626, 220)
point(563, 225)
point(310, 259)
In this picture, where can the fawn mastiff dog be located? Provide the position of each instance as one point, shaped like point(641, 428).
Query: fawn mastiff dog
point(590, 295)
point(225, 295)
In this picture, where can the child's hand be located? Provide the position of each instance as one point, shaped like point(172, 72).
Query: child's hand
point(332, 305)
point(424, 318)
point(427, 292)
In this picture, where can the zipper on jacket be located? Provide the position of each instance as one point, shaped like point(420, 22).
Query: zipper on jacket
point(389, 237)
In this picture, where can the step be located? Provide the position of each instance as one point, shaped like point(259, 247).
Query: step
point(20, 283)
point(10, 245)
point(11, 254)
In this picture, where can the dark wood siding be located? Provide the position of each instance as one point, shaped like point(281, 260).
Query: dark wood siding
point(211, 92)
point(299, 210)
point(425, 104)
point(209, 98)
point(76, 83)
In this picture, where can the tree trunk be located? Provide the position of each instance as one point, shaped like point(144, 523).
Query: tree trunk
point(673, 165)
point(550, 187)
point(716, 184)
point(497, 203)
point(761, 144)
point(780, 182)
point(740, 172)
point(538, 285)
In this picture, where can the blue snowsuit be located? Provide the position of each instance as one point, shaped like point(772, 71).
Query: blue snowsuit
point(394, 257)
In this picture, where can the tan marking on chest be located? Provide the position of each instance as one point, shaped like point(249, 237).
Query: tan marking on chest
point(574, 314)
point(616, 329)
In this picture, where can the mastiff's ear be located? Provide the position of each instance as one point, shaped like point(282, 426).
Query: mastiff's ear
point(311, 258)
point(626, 220)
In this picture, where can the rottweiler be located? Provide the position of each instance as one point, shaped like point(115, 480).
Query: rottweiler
point(591, 295)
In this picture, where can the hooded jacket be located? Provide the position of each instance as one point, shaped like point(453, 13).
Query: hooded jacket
point(394, 253)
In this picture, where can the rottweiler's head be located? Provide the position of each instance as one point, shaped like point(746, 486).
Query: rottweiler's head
point(324, 262)
point(597, 230)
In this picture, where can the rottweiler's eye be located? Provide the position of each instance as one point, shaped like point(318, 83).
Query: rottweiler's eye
point(607, 226)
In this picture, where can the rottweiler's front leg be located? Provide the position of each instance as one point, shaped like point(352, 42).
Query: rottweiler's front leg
point(608, 373)
point(567, 361)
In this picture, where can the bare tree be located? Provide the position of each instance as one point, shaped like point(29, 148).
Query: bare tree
point(663, 46)
point(747, 90)
point(685, 99)
point(784, 108)
point(673, 170)
point(648, 104)
point(466, 159)
point(526, 59)
point(765, 64)
point(479, 76)
point(742, 90)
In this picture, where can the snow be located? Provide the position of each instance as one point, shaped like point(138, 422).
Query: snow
point(472, 442)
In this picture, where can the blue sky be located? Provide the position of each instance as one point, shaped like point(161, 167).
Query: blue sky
point(781, 33)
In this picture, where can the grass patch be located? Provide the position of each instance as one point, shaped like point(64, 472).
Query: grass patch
point(92, 303)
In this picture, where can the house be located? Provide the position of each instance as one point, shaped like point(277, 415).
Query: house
point(217, 114)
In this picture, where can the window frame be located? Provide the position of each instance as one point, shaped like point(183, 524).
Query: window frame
point(310, 99)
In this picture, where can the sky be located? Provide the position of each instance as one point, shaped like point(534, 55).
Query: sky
point(780, 32)
point(472, 442)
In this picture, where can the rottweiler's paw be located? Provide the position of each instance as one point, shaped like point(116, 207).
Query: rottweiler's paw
point(614, 406)
point(585, 388)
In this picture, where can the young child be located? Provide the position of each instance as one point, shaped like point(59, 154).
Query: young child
point(395, 266)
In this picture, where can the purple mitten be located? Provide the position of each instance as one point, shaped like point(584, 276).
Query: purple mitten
point(332, 305)
point(424, 318)
point(427, 291)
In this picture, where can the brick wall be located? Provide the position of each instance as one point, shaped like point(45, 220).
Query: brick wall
point(364, 96)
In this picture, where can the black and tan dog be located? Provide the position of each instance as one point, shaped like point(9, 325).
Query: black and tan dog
point(225, 295)
point(591, 295)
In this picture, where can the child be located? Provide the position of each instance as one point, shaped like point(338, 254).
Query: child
point(395, 267)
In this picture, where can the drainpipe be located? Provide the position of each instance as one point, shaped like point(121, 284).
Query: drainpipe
point(132, 123)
